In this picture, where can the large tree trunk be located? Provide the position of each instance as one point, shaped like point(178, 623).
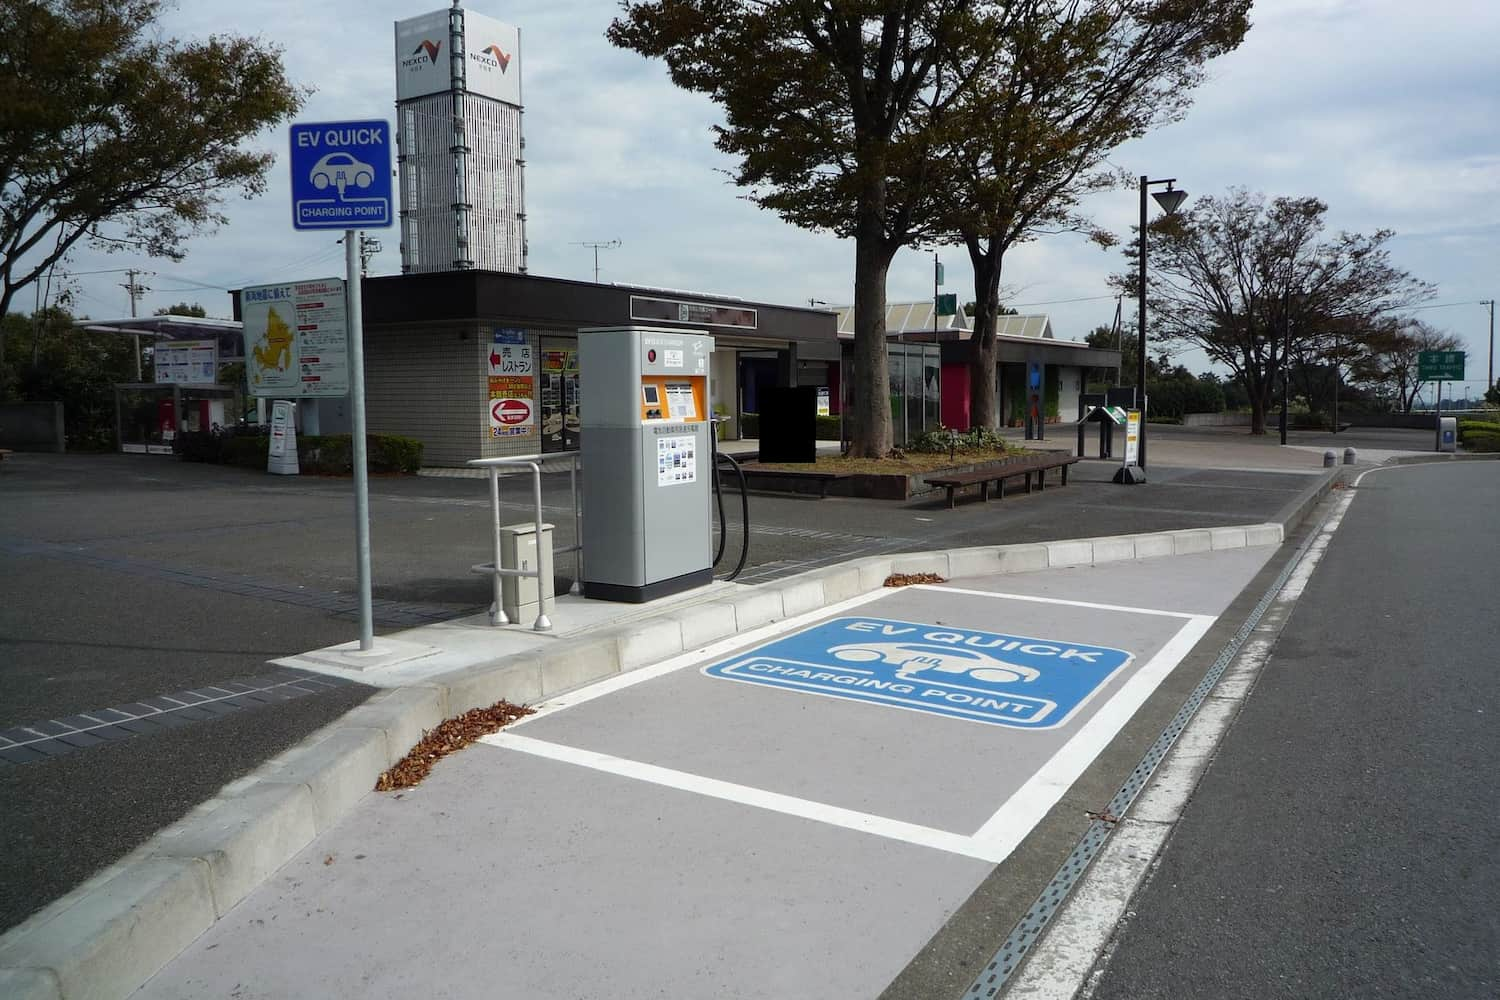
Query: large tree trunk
point(1257, 414)
point(984, 403)
point(5, 297)
point(872, 378)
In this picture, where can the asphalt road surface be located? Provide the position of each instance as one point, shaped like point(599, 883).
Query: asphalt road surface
point(125, 579)
point(1343, 842)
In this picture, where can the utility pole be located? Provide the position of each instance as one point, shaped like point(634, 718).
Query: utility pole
point(369, 246)
point(596, 247)
point(135, 291)
point(1490, 382)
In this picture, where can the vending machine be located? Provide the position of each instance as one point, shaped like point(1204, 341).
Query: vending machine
point(647, 462)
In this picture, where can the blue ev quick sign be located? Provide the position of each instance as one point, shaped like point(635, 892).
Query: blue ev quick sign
point(341, 175)
point(992, 677)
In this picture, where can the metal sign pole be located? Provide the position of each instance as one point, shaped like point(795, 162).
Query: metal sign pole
point(357, 425)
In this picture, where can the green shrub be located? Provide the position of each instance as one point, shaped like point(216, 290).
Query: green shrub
point(1467, 427)
point(1482, 442)
point(198, 446)
point(319, 455)
point(246, 452)
point(828, 427)
point(944, 440)
point(750, 425)
point(391, 453)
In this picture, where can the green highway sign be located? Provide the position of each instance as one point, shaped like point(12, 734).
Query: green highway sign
point(1440, 366)
point(947, 305)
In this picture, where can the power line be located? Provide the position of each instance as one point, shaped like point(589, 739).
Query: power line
point(1059, 302)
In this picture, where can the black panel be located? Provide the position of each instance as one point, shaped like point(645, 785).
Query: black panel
point(788, 424)
point(627, 594)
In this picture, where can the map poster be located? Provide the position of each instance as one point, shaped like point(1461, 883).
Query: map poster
point(296, 339)
point(512, 407)
point(190, 362)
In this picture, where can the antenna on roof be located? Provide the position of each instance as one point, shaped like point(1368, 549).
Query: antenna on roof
point(606, 245)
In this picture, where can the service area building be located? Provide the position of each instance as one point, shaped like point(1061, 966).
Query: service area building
point(482, 364)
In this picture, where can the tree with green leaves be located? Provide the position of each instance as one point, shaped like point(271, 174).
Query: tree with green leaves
point(1388, 364)
point(831, 108)
point(114, 134)
point(1070, 81)
point(1241, 278)
point(195, 310)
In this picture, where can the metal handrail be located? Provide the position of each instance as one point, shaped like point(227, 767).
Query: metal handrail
point(533, 462)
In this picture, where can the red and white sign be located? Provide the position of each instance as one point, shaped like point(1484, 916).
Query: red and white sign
point(511, 416)
point(510, 412)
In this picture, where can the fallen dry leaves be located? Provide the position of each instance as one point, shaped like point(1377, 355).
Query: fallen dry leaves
point(908, 579)
point(448, 737)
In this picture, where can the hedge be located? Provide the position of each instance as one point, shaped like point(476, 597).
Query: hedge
point(827, 427)
point(329, 454)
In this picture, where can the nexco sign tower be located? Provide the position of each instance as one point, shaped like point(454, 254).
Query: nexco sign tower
point(459, 144)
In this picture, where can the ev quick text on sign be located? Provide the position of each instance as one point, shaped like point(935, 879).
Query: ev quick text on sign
point(341, 175)
point(989, 677)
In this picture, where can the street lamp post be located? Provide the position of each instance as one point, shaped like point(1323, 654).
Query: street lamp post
point(1170, 200)
point(1490, 382)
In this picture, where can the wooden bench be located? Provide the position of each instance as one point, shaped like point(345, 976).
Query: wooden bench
point(1038, 464)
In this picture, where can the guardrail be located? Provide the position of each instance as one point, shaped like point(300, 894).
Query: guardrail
point(543, 562)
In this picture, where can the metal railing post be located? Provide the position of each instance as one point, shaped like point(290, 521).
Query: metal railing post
point(542, 623)
point(543, 570)
point(497, 610)
point(577, 587)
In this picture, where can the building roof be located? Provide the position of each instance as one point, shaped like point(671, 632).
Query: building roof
point(907, 319)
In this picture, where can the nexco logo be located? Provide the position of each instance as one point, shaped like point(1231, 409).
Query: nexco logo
point(998, 643)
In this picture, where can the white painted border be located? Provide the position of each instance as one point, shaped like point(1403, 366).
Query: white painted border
point(620, 682)
point(1010, 824)
point(820, 812)
point(1058, 600)
point(1067, 962)
point(995, 839)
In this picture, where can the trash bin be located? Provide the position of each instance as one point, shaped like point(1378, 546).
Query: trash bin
point(518, 550)
point(1447, 434)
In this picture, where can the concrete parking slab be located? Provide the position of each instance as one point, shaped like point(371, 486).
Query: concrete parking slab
point(670, 832)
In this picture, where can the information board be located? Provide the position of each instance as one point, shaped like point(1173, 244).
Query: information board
point(296, 339)
point(186, 362)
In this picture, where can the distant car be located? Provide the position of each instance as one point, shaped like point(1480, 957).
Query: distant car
point(341, 170)
point(915, 658)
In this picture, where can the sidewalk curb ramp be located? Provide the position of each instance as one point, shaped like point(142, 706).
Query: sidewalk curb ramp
point(109, 935)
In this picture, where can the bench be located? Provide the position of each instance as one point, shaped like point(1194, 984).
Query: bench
point(1038, 464)
point(782, 481)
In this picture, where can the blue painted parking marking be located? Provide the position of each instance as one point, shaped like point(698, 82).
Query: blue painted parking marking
point(991, 677)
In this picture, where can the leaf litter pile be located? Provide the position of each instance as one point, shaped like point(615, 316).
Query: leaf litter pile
point(449, 736)
point(911, 579)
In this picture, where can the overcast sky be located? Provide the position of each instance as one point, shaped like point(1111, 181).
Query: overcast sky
point(1385, 109)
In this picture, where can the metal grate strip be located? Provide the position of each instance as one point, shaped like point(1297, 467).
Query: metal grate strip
point(1028, 929)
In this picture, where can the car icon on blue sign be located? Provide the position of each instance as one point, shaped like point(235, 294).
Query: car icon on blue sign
point(341, 170)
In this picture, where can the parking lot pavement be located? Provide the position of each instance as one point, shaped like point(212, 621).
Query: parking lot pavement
point(127, 578)
point(795, 812)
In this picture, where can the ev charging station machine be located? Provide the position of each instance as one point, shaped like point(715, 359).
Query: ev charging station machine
point(647, 462)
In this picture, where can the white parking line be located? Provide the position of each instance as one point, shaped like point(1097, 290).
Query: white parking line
point(1024, 810)
point(728, 791)
point(631, 678)
point(993, 841)
point(1058, 600)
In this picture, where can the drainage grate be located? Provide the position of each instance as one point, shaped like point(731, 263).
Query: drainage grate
point(1032, 922)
